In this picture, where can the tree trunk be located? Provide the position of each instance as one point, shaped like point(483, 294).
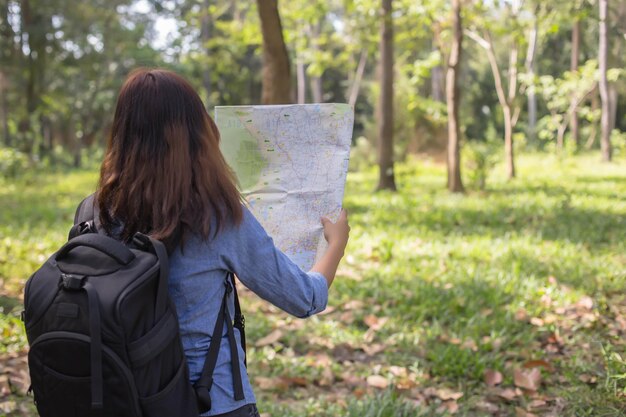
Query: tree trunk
point(301, 81)
point(612, 106)
point(455, 184)
point(4, 108)
point(574, 67)
point(316, 89)
point(437, 84)
point(532, 97)
point(605, 121)
point(593, 132)
point(508, 142)
point(356, 84)
point(206, 32)
point(505, 98)
point(385, 134)
point(276, 72)
point(316, 81)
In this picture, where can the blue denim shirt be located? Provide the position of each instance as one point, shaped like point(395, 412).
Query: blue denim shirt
point(196, 285)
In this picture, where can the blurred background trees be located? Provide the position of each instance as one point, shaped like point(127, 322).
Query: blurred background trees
point(532, 75)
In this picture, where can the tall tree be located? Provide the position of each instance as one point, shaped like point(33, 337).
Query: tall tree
point(455, 183)
point(276, 71)
point(386, 179)
point(507, 94)
point(7, 52)
point(605, 122)
point(530, 70)
point(358, 77)
point(206, 33)
point(574, 67)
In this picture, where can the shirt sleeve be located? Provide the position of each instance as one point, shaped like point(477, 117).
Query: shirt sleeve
point(251, 254)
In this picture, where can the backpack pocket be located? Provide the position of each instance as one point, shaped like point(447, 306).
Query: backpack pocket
point(60, 373)
point(176, 399)
point(160, 370)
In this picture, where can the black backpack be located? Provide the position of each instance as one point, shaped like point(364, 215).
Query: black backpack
point(103, 331)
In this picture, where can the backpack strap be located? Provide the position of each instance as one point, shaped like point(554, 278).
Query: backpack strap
point(240, 320)
point(204, 383)
point(85, 210)
point(86, 218)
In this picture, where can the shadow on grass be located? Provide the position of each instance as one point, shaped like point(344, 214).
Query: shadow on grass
point(561, 222)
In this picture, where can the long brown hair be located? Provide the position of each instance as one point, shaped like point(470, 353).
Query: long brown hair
point(163, 173)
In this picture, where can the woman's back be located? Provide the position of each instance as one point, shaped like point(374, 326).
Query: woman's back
point(164, 175)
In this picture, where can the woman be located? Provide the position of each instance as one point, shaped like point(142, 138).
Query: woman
point(164, 175)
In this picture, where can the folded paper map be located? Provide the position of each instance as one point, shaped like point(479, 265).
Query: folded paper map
point(291, 162)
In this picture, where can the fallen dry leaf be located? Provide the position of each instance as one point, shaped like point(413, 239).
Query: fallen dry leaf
point(470, 344)
point(5, 387)
point(353, 305)
point(492, 377)
point(320, 360)
point(271, 338)
point(398, 370)
point(405, 383)
point(486, 406)
point(296, 380)
point(7, 406)
point(521, 315)
point(587, 379)
point(327, 378)
point(430, 392)
point(537, 403)
point(554, 338)
point(373, 348)
point(375, 323)
point(446, 394)
point(448, 406)
point(538, 363)
point(358, 392)
point(351, 379)
point(377, 381)
point(265, 383)
point(346, 317)
point(328, 310)
point(585, 303)
point(527, 379)
point(508, 394)
point(520, 412)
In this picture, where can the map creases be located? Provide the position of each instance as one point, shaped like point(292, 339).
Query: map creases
point(291, 162)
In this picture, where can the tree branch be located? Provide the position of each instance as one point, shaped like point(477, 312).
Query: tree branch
point(486, 43)
point(513, 73)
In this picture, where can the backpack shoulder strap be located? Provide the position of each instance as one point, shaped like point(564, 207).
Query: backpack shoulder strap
point(203, 385)
point(239, 320)
point(87, 211)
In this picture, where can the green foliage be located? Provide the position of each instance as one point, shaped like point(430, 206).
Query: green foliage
point(362, 155)
point(615, 365)
point(13, 163)
point(479, 158)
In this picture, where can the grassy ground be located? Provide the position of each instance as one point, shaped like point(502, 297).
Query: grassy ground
point(503, 302)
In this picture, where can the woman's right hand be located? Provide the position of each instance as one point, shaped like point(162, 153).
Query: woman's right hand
point(337, 233)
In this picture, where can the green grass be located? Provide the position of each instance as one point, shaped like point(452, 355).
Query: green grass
point(451, 275)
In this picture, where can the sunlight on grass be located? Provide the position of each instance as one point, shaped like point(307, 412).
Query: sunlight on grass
point(453, 285)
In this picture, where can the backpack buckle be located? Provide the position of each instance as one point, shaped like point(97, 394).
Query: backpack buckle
point(71, 282)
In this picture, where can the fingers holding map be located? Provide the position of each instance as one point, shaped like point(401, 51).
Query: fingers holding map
point(291, 162)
